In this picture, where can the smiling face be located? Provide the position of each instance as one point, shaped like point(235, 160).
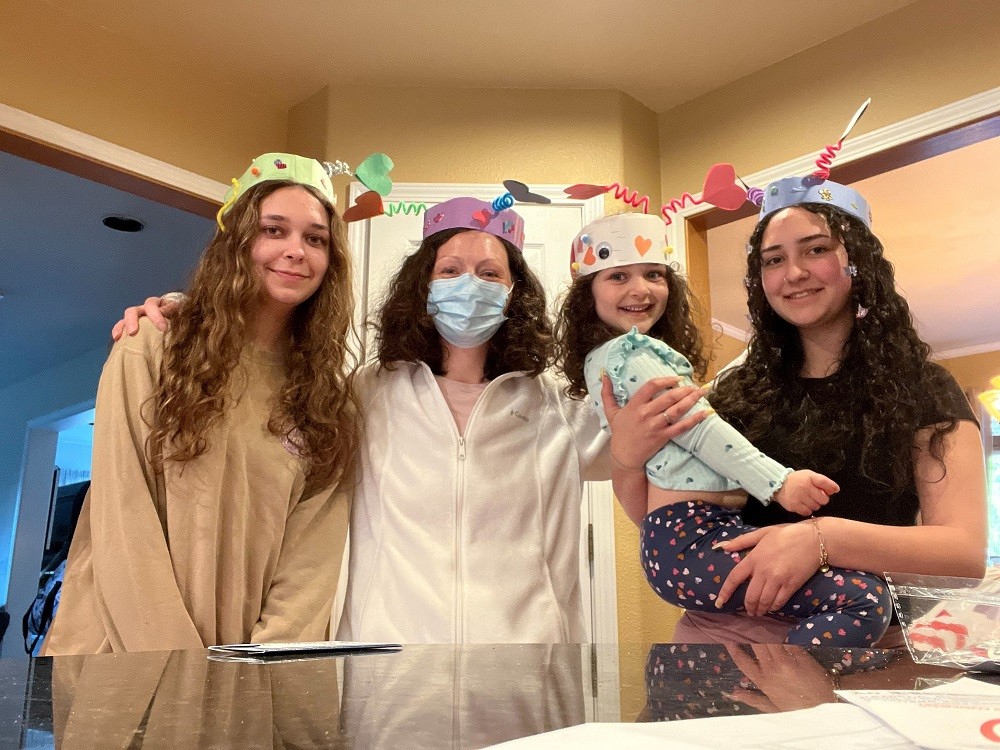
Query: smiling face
point(291, 253)
point(633, 295)
point(804, 271)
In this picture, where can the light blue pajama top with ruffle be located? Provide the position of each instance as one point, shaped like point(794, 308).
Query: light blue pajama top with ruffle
point(712, 456)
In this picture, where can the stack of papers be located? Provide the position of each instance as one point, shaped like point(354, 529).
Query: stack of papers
point(958, 715)
point(261, 652)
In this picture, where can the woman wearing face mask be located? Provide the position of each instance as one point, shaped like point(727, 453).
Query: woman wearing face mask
point(466, 523)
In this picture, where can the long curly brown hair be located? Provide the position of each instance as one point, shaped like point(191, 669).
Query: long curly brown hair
point(884, 374)
point(579, 330)
point(317, 407)
point(404, 332)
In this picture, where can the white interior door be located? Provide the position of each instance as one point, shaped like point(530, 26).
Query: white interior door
point(379, 246)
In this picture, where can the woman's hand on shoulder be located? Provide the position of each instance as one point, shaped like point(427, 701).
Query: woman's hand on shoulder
point(157, 309)
point(653, 417)
point(780, 560)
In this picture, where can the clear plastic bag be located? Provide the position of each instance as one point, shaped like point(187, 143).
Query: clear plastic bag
point(948, 621)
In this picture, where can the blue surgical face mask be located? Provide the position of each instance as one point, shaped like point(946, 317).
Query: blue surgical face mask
point(467, 310)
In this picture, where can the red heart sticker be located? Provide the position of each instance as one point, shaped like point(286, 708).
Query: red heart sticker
point(482, 216)
point(581, 192)
point(365, 207)
point(642, 245)
point(721, 189)
point(589, 259)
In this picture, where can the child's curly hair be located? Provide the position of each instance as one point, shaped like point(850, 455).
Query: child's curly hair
point(579, 330)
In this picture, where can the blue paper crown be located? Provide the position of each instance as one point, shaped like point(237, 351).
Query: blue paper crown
point(791, 191)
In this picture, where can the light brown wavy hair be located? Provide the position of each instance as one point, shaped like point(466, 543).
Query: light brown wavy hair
point(405, 332)
point(317, 409)
point(579, 330)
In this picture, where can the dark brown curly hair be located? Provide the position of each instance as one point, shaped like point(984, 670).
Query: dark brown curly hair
point(884, 374)
point(579, 330)
point(317, 407)
point(404, 332)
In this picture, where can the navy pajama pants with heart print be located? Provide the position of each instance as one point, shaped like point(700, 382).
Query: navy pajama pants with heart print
point(838, 608)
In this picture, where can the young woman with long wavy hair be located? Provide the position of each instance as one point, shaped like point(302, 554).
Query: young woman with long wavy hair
point(224, 448)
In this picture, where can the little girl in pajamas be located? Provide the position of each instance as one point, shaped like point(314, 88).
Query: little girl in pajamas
point(624, 303)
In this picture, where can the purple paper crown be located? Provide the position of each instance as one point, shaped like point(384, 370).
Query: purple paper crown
point(472, 213)
point(791, 191)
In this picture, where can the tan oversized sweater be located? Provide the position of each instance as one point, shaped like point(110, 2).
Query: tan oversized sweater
point(222, 549)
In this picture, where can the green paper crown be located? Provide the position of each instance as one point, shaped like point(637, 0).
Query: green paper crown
point(300, 169)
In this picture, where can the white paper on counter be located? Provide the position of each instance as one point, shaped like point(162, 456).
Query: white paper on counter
point(263, 650)
point(959, 715)
point(831, 726)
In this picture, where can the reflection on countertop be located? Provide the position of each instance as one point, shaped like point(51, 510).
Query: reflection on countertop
point(423, 696)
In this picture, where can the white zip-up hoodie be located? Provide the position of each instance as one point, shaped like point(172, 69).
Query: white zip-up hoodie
point(472, 539)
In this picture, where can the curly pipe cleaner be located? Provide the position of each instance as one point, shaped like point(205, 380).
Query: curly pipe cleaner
point(676, 205)
point(404, 207)
point(630, 197)
point(828, 153)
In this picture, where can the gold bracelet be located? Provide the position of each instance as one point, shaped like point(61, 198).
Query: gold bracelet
point(824, 558)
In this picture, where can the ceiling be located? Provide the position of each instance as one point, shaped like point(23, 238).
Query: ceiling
point(661, 52)
point(66, 277)
point(937, 220)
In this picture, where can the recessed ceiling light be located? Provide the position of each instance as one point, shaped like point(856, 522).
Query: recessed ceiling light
point(122, 224)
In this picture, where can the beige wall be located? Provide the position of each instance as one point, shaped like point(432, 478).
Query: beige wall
point(65, 70)
point(923, 56)
point(973, 372)
point(724, 350)
point(476, 135)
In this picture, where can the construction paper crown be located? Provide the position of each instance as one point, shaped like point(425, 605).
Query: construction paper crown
point(266, 167)
point(791, 191)
point(817, 187)
point(472, 213)
point(373, 172)
point(619, 240)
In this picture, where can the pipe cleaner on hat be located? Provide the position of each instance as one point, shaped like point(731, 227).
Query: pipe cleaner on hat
point(816, 187)
point(619, 240)
point(494, 217)
point(720, 189)
point(373, 172)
